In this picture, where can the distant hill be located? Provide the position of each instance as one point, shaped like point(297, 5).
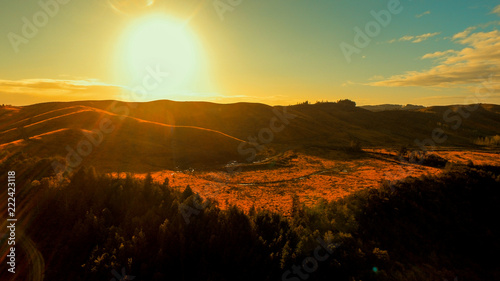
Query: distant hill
point(166, 134)
point(384, 107)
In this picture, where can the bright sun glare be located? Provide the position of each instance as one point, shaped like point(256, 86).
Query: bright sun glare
point(152, 47)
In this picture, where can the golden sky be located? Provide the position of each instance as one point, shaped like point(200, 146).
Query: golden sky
point(274, 52)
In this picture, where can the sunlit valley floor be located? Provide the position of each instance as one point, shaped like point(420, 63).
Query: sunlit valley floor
point(272, 183)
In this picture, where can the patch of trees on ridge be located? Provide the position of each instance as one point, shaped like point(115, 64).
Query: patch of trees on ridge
point(346, 103)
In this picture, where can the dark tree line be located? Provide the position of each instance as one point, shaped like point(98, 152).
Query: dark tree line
point(427, 228)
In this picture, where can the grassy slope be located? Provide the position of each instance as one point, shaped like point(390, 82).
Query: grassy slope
point(145, 138)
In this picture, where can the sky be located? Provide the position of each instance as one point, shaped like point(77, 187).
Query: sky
point(278, 52)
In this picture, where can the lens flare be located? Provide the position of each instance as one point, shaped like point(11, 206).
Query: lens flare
point(130, 6)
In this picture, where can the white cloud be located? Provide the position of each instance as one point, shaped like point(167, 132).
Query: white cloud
point(496, 10)
point(478, 61)
point(348, 83)
point(415, 38)
point(423, 14)
point(439, 54)
point(464, 33)
point(376, 77)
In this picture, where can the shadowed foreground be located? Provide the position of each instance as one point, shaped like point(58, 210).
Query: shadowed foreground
point(430, 228)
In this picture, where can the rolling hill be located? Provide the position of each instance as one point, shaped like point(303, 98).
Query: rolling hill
point(151, 136)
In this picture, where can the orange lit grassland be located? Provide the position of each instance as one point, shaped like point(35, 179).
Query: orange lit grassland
point(272, 183)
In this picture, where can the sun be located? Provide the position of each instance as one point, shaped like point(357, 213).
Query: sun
point(159, 58)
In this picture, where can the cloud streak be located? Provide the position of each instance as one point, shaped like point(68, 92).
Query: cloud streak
point(496, 10)
point(423, 14)
point(41, 90)
point(415, 38)
point(50, 86)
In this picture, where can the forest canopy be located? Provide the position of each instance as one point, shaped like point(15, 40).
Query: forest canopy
point(429, 228)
